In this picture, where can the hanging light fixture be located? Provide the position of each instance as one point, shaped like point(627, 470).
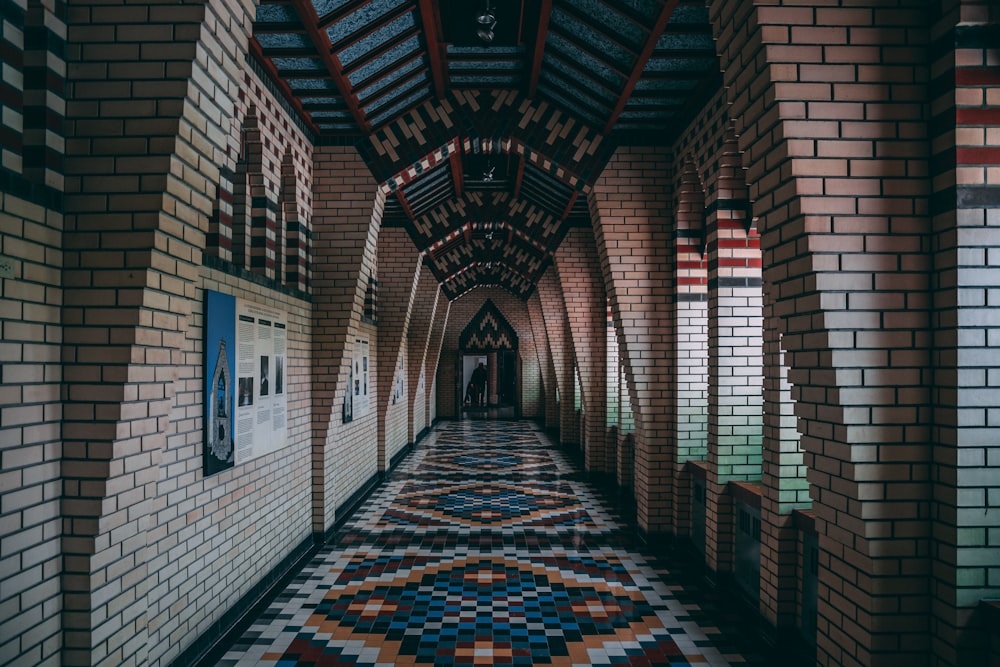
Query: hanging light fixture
point(488, 20)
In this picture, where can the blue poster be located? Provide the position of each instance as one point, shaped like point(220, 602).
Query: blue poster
point(220, 374)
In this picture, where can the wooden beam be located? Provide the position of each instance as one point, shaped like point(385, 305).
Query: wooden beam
point(569, 206)
point(369, 28)
point(640, 63)
point(320, 40)
point(430, 16)
point(456, 173)
point(519, 178)
point(544, 12)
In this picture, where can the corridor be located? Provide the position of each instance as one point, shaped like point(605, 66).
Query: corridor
point(484, 547)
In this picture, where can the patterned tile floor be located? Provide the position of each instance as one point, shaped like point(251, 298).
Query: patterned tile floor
point(484, 548)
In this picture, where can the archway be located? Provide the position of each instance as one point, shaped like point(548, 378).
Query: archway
point(488, 365)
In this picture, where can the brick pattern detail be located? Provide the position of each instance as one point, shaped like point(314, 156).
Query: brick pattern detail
point(462, 312)
point(399, 268)
point(422, 317)
point(630, 205)
point(345, 231)
point(586, 310)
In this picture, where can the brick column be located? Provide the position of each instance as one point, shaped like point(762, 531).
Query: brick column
point(631, 213)
point(399, 267)
point(561, 348)
point(586, 310)
point(965, 213)
point(348, 212)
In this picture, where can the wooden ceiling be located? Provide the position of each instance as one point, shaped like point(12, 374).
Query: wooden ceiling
point(488, 122)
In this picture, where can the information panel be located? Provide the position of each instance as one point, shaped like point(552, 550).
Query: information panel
point(246, 405)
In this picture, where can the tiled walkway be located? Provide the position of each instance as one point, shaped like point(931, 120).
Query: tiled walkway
point(483, 548)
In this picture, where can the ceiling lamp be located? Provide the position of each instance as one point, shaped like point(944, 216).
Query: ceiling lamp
point(488, 20)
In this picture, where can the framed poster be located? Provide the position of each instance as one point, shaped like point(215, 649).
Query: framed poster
point(358, 377)
point(246, 405)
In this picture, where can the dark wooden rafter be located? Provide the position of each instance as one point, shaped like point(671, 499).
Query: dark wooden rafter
point(430, 17)
point(652, 37)
point(544, 12)
point(268, 64)
point(320, 40)
point(569, 206)
point(407, 209)
point(458, 177)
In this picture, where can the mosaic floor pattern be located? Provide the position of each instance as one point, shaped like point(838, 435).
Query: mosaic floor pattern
point(483, 548)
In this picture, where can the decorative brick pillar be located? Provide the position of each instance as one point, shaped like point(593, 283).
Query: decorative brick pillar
point(586, 309)
point(630, 205)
